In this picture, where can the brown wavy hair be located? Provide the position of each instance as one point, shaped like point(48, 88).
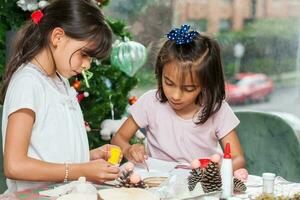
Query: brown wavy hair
point(201, 56)
point(80, 19)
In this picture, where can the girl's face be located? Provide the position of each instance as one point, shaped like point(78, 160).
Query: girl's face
point(181, 95)
point(70, 57)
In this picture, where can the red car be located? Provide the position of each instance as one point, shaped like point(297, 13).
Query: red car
point(249, 87)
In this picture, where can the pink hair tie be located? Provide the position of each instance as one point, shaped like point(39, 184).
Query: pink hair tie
point(36, 16)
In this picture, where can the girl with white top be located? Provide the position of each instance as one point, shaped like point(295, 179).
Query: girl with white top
point(44, 137)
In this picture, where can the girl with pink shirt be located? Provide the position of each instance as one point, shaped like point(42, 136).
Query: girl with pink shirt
point(186, 117)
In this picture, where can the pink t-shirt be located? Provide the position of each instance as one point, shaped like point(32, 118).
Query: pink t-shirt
point(171, 138)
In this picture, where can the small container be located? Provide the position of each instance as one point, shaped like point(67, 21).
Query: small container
point(268, 183)
point(204, 162)
point(115, 154)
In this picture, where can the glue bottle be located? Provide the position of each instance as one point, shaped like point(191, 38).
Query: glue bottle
point(226, 173)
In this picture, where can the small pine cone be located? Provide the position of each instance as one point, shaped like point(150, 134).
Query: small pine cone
point(238, 185)
point(211, 179)
point(140, 184)
point(124, 179)
point(194, 178)
point(127, 185)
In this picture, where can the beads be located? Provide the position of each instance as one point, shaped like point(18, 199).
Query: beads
point(66, 172)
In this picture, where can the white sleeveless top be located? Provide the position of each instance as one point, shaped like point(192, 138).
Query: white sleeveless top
point(58, 133)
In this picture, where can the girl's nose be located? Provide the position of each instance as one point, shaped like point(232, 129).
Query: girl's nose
point(177, 93)
point(86, 65)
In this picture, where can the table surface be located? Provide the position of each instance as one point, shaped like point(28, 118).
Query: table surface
point(254, 184)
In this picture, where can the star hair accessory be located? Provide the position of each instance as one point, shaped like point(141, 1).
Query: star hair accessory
point(36, 16)
point(182, 35)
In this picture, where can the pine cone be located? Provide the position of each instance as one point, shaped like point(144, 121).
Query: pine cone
point(238, 185)
point(211, 180)
point(194, 178)
point(140, 184)
point(124, 181)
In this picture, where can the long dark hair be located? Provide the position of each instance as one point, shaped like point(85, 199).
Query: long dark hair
point(201, 56)
point(80, 19)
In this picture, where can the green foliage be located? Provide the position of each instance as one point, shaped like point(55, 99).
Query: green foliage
point(270, 46)
point(96, 107)
point(118, 28)
point(146, 76)
point(129, 8)
point(11, 17)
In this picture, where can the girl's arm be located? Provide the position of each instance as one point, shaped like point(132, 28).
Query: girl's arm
point(238, 160)
point(134, 152)
point(18, 166)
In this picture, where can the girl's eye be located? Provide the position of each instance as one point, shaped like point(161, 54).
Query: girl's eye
point(189, 89)
point(84, 54)
point(168, 83)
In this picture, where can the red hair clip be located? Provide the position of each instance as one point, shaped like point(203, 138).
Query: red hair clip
point(36, 16)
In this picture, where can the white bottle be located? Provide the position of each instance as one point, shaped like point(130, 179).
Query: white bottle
point(226, 173)
point(268, 183)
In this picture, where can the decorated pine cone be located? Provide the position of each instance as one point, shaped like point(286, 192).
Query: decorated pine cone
point(211, 180)
point(238, 185)
point(125, 180)
point(140, 184)
point(194, 178)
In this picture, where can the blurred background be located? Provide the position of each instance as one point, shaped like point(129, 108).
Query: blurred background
point(259, 40)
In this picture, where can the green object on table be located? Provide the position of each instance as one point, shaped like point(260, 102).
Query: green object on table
point(270, 144)
point(23, 196)
point(2, 177)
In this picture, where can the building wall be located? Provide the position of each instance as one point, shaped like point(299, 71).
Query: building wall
point(214, 12)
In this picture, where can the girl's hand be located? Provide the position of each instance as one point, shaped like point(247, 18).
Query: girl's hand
point(102, 152)
point(100, 171)
point(136, 153)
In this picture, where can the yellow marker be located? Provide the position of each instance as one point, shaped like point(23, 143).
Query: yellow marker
point(115, 154)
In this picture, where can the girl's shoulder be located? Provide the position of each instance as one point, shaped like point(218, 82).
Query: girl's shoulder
point(26, 77)
point(225, 111)
point(149, 97)
point(151, 94)
point(224, 108)
point(27, 71)
point(147, 101)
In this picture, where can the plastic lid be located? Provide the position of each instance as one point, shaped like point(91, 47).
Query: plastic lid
point(227, 152)
point(268, 175)
point(204, 162)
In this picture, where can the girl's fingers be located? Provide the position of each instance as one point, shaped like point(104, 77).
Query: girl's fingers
point(134, 157)
point(139, 157)
point(110, 176)
point(113, 169)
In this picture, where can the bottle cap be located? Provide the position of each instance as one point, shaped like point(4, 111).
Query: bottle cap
point(269, 176)
point(204, 162)
point(227, 152)
point(115, 154)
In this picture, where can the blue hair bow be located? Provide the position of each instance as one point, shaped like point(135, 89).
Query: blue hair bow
point(182, 35)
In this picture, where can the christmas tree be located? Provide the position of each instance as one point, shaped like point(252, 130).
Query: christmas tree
point(111, 79)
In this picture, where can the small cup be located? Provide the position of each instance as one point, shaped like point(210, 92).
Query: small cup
point(115, 154)
point(268, 183)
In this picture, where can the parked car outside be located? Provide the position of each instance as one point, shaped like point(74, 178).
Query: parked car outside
point(249, 87)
